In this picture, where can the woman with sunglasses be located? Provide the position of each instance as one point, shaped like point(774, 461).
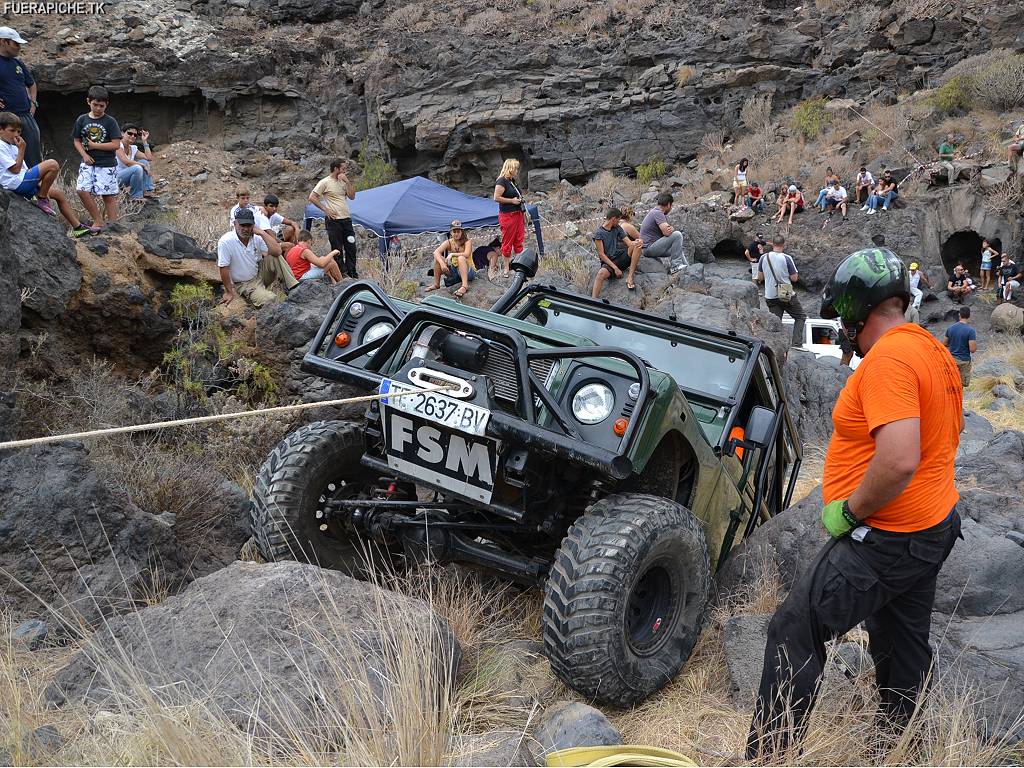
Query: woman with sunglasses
point(133, 162)
point(454, 253)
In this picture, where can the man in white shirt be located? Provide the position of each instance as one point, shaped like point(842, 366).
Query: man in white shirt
point(916, 278)
point(331, 195)
point(836, 197)
point(250, 260)
point(865, 181)
point(777, 267)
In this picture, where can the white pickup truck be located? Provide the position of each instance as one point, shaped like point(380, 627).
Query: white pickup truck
point(822, 338)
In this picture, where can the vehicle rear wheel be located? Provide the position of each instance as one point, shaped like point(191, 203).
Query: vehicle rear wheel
point(626, 598)
point(314, 464)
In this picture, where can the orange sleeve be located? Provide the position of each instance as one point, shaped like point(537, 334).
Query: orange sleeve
point(890, 392)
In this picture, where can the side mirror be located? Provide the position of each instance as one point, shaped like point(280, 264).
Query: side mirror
point(759, 426)
point(525, 262)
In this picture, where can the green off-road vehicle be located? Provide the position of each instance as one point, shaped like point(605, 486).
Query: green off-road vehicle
point(610, 456)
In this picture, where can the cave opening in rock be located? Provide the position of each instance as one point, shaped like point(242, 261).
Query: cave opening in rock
point(728, 249)
point(167, 118)
point(965, 247)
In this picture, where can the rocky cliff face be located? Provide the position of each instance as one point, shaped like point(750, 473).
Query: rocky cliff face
point(451, 89)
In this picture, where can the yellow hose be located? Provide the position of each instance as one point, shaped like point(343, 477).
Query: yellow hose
point(620, 754)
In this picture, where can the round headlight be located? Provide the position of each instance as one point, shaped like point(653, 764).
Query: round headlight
point(592, 403)
point(377, 330)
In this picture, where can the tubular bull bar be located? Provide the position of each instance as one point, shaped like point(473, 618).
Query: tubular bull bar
point(522, 428)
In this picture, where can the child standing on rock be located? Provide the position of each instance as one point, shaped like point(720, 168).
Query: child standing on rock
point(97, 137)
point(988, 256)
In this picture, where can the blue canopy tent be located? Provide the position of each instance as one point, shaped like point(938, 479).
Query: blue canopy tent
point(417, 205)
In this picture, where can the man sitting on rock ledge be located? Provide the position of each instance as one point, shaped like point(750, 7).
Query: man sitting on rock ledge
point(960, 284)
point(250, 260)
point(658, 236)
point(617, 252)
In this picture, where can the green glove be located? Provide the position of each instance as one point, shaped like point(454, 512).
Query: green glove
point(838, 519)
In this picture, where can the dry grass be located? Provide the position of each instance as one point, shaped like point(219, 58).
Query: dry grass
point(606, 187)
point(978, 396)
point(205, 225)
point(412, 725)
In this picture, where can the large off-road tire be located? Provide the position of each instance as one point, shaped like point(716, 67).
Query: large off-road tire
point(292, 486)
point(626, 598)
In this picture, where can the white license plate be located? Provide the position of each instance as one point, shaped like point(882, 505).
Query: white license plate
point(437, 408)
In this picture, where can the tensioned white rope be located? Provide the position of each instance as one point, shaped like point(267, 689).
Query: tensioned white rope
point(210, 419)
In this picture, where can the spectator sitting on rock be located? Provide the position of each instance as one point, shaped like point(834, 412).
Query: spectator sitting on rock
point(989, 256)
point(960, 284)
point(37, 180)
point(97, 136)
point(249, 259)
point(657, 236)
point(1009, 277)
point(755, 197)
point(486, 257)
point(962, 341)
point(864, 183)
point(754, 252)
point(283, 228)
point(455, 252)
point(917, 277)
point(1016, 146)
point(830, 176)
point(739, 183)
point(241, 201)
point(837, 197)
point(792, 201)
point(947, 151)
point(133, 163)
point(885, 192)
point(616, 250)
point(306, 265)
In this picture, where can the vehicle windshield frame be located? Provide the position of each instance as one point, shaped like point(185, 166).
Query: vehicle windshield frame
point(706, 339)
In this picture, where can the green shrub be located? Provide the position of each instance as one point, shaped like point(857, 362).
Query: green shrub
point(650, 171)
point(376, 170)
point(953, 96)
point(809, 117)
point(255, 383)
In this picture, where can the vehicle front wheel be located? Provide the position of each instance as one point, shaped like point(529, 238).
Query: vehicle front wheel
point(626, 598)
point(309, 468)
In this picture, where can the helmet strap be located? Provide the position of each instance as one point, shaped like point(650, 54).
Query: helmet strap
point(852, 333)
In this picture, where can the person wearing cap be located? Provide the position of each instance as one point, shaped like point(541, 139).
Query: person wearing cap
point(916, 278)
point(249, 259)
point(331, 195)
point(889, 510)
point(792, 201)
point(455, 253)
point(18, 92)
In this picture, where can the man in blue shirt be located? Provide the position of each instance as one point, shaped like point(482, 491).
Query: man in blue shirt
point(962, 340)
point(18, 93)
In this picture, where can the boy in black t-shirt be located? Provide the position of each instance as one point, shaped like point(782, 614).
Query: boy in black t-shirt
point(617, 252)
point(97, 137)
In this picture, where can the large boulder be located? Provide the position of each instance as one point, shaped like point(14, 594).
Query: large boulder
point(812, 387)
point(48, 270)
point(70, 543)
point(1007, 318)
point(10, 319)
point(568, 724)
point(271, 647)
point(161, 240)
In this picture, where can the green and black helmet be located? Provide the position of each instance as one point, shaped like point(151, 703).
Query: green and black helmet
point(861, 282)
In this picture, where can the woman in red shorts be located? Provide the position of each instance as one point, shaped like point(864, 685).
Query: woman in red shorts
point(510, 215)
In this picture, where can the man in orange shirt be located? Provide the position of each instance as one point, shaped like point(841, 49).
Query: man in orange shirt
point(890, 508)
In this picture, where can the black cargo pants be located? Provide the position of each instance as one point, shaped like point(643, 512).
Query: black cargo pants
point(338, 233)
point(886, 580)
